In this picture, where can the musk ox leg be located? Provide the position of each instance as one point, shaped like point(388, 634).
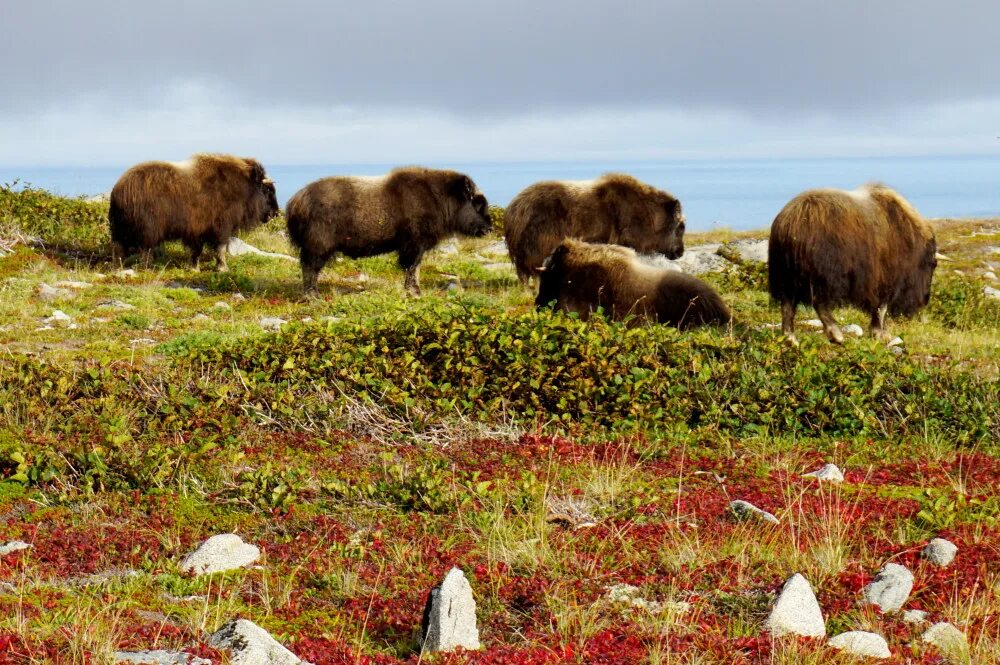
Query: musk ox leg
point(220, 257)
point(788, 322)
point(311, 267)
point(878, 324)
point(409, 261)
point(195, 256)
point(830, 326)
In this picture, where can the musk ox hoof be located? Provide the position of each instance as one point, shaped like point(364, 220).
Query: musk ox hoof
point(835, 336)
point(792, 341)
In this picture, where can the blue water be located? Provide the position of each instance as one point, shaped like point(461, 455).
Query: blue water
point(738, 194)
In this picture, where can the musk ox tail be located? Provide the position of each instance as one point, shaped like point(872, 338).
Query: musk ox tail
point(516, 221)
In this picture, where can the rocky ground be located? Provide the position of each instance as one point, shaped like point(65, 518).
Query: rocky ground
point(177, 487)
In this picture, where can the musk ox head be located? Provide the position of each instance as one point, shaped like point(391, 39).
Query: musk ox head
point(472, 215)
point(914, 290)
point(263, 200)
point(659, 228)
point(551, 277)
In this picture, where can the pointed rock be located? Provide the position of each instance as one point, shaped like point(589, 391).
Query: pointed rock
point(796, 611)
point(226, 551)
point(940, 552)
point(890, 588)
point(450, 616)
point(746, 510)
point(861, 643)
point(159, 657)
point(830, 473)
point(250, 644)
point(949, 640)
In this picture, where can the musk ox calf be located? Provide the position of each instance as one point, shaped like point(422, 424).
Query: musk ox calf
point(580, 277)
point(203, 200)
point(614, 208)
point(867, 247)
point(407, 211)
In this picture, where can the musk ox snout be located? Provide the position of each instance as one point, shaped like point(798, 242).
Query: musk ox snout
point(474, 217)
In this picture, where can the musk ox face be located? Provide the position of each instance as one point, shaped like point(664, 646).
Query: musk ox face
point(473, 215)
point(915, 290)
point(270, 197)
point(550, 278)
point(671, 229)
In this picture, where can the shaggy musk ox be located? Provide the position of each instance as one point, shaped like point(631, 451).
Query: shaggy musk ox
point(868, 248)
point(580, 277)
point(615, 208)
point(203, 200)
point(408, 211)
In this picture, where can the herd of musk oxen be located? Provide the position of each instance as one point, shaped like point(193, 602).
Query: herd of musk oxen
point(581, 240)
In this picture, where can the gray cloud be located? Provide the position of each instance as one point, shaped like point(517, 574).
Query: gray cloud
point(506, 58)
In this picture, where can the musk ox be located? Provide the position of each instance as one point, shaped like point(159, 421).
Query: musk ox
point(203, 200)
point(867, 247)
point(407, 211)
point(614, 208)
point(580, 277)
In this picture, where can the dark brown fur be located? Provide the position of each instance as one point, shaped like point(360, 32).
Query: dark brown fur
point(580, 277)
point(408, 211)
point(615, 208)
point(202, 201)
point(868, 248)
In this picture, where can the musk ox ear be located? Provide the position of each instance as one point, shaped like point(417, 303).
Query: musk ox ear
point(462, 188)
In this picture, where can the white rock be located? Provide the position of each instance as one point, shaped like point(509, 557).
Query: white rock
point(989, 274)
point(249, 644)
point(142, 341)
point(272, 323)
point(58, 316)
point(895, 341)
point(69, 284)
point(498, 248)
point(159, 657)
point(13, 546)
point(861, 643)
point(831, 473)
point(116, 304)
point(696, 260)
point(744, 510)
point(796, 611)
point(990, 292)
point(128, 273)
point(226, 551)
point(750, 250)
point(914, 616)
point(890, 588)
point(448, 247)
point(813, 323)
point(947, 638)
point(201, 317)
point(450, 616)
point(853, 329)
point(940, 552)
point(238, 247)
point(48, 293)
point(222, 305)
point(238, 297)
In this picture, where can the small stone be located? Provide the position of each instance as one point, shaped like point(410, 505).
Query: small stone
point(58, 316)
point(13, 546)
point(116, 304)
point(745, 510)
point(201, 317)
point(989, 274)
point(249, 644)
point(990, 292)
point(861, 643)
point(914, 616)
point(272, 323)
point(813, 323)
point(895, 341)
point(450, 616)
point(159, 657)
point(48, 293)
point(128, 273)
point(239, 247)
point(238, 297)
point(498, 248)
point(830, 473)
point(896, 350)
point(142, 341)
point(448, 247)
point(940, 552)
point(853, 329)
point(890, 588)
point(948, 639)
point(796, 611)
point(222, 305)
point(226, 551)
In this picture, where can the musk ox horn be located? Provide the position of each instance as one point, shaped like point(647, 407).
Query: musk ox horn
point(267, 181)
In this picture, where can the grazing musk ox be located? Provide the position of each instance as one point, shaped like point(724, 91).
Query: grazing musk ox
point(203, 200)
point(407, 211)
point(867, 247)
point(580, 277)
point(615, 208)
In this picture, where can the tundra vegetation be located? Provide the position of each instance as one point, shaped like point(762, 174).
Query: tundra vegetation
point(374, 442)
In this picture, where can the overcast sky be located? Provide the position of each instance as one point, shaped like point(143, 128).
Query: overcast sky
point(296, 81)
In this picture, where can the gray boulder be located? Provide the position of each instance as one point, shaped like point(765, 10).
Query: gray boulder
point(796, 611)
point(226, 551)
point(159, 657)
point(249, 644)
point(861, 643)
point(830, 473)
point(948, 639)
point(450, 616)
point(891, 587)
point(744, 510)
point(13, 546)
point(239, 247)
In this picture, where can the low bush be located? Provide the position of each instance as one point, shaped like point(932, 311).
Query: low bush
point(67, 224)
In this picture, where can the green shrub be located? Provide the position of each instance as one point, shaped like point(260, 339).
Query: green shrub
point(67, 224)
point(959, 302)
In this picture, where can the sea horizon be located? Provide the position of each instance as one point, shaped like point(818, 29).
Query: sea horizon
point(740, 194)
